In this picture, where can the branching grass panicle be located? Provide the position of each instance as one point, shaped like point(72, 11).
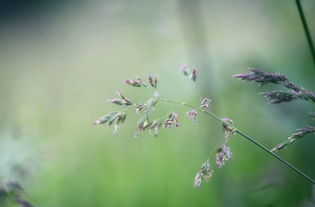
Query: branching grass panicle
point(223, 151)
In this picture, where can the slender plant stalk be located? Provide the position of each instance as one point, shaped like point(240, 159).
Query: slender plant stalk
point(247, 137)
point(274, 155)
point(306, 29)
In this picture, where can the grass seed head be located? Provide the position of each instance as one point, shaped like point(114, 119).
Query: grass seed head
point(223, 154)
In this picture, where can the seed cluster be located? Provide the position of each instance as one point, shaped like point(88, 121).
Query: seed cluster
point(192, 115)
point(205, 103)
point(223, 154)
point(262, 78)
point(145, 124)
point(205, 173)
point(191, 73)
point(278, 96)
point(294, 137)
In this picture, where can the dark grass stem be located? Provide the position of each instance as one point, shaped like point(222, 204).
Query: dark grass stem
point(306, 29)
point(247, 137)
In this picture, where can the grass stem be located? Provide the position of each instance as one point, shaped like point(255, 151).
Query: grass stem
point(306, 29)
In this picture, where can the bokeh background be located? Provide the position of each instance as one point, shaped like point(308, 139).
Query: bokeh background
point(61, 60)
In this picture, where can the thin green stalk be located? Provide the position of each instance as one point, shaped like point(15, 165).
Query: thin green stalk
point(247, 137)
point(306, 29)
point(274, 155)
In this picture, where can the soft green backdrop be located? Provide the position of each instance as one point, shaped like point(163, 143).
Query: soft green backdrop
point(61, 61)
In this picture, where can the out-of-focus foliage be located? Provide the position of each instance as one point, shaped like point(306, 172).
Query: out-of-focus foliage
point(60, 62)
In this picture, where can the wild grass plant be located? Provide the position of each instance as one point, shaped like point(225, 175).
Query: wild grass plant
point(223, 153)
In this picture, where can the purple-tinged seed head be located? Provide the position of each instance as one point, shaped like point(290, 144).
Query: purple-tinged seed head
point(115, 101)
point(185, 69)
point(153, 80)
point(143, 124)
point(275, 97)
point(97, 122)
point(193, 75)
point(171, 121)
point(125, 101)
point(223, 154)
point(205, 173)
point(192, 115)
point(139, 107)
point(261, 77)
point(111, 118)
point(104, 119)
point(205, 103)
point(141, 82)
point(132, 83)
point(227, 128)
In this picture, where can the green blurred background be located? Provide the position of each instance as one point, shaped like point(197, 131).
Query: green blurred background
point(61, 60)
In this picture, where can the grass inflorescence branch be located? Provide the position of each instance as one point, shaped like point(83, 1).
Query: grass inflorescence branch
point(247, 137)
point(275, 97)
point(146, 123)
point(262, 78)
